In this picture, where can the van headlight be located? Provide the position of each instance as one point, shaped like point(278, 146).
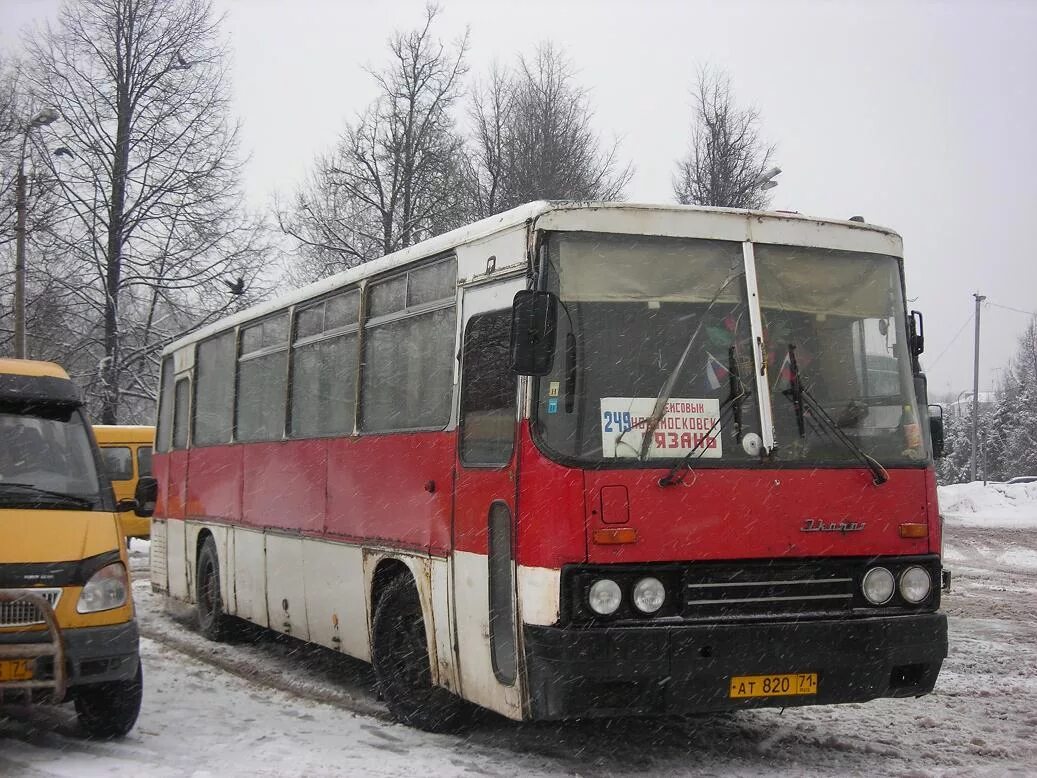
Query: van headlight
point(107, 588)
point(878, 586)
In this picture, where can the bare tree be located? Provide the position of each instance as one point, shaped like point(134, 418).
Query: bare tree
point(727, 157)
point(393, 179)
point(154, 240)
point(533, 139)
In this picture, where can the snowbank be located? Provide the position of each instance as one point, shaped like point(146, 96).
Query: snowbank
point(1009, 506)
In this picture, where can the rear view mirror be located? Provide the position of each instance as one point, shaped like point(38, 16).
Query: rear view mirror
point(534, 319)
point(916, 333)
point(936, 430)
point(145, 495)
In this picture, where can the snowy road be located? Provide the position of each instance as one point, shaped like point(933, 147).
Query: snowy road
point(278, 707)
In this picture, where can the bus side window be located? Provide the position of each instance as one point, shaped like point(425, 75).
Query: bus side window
point(143, 461)
point(487, 391)
point(118, 462)
point(181, 413)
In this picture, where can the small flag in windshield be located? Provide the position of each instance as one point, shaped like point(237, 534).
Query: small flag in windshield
point(716, 373)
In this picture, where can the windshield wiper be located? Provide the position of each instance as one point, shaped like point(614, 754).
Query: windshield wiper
point(803, 400)
point(738, 393)
point(73, 499)
point(659, 409)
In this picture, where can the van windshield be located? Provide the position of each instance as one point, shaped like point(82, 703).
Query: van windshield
point(46, 461)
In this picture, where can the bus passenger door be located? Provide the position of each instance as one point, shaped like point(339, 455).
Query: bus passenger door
point(484, 612)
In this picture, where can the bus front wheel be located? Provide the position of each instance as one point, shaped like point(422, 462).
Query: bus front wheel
point(401, 664)
point(213, 623)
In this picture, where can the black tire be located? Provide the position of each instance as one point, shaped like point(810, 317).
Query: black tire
point(109, 710)
point(213, 623)
point(402, 668)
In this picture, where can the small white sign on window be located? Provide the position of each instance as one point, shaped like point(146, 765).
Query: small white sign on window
point(687, 426)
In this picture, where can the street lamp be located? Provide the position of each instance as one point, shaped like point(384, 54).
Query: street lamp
point(44, 117)
point(766, 180)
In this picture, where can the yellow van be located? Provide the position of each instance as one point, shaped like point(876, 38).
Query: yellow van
point(67, 628)
point(126, 452)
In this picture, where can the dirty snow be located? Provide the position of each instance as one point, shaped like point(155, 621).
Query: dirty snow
point(273, 706)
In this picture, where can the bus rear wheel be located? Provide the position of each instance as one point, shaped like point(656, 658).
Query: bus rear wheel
point(401, 664)
point(213, 623)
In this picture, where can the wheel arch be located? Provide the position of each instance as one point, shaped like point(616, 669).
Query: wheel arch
point(381, 568)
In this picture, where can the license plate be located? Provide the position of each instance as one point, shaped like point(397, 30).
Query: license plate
point(15, 670)
point(784, 685)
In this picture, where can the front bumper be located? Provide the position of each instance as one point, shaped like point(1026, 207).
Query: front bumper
point(92, 654)
point(686, 668)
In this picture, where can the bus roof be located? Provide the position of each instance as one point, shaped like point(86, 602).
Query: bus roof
point(729, 223)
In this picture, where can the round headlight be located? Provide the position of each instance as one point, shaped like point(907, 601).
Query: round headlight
point(605, 597)
point(915, 584)
point(649, 595)
point(878, 586)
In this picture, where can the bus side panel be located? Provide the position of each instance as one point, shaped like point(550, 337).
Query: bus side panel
point(393, 489)
point(336, 598)
point(249, 565)
point(472, 600)
point(284, 485)
point(174, 488)
point(176, 559)
point(285, 592)
point(159, 556)
point(216, 491)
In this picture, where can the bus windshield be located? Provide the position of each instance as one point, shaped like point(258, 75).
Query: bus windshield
point(644, 320)
point(46, 461)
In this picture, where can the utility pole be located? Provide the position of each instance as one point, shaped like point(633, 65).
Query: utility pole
point(43, 118)
point(975, 391)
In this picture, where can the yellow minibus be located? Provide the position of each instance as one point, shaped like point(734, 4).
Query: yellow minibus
point(126, 453)
point(67, 626)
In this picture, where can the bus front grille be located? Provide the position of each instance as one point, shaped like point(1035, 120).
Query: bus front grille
point(720, 591)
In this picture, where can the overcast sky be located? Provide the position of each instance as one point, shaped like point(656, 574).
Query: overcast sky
point(920, 116)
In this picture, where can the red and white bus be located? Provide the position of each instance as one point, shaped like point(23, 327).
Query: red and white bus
point(573, 460)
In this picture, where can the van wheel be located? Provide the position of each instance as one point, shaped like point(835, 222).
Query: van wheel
point(212, 621)
point(109, 710)
point(401, 664)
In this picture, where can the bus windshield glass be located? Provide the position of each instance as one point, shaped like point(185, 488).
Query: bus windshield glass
point(654, 337)
point(642, 321)
point(843, 315)
point(46, 461)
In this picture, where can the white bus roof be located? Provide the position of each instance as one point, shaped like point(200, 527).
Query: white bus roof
point(634, 218)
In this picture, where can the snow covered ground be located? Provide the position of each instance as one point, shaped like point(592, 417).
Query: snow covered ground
point(273, 706)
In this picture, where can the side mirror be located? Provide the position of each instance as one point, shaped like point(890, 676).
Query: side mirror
point(129, 504)
point(936, 430)
point(916, 333)
point(145, 496)
point(534, 319)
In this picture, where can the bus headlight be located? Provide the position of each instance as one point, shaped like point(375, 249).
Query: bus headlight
point(878, 586)
point(604, 597)
point(649, 595)
point(107, 588)
point(915, 584)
